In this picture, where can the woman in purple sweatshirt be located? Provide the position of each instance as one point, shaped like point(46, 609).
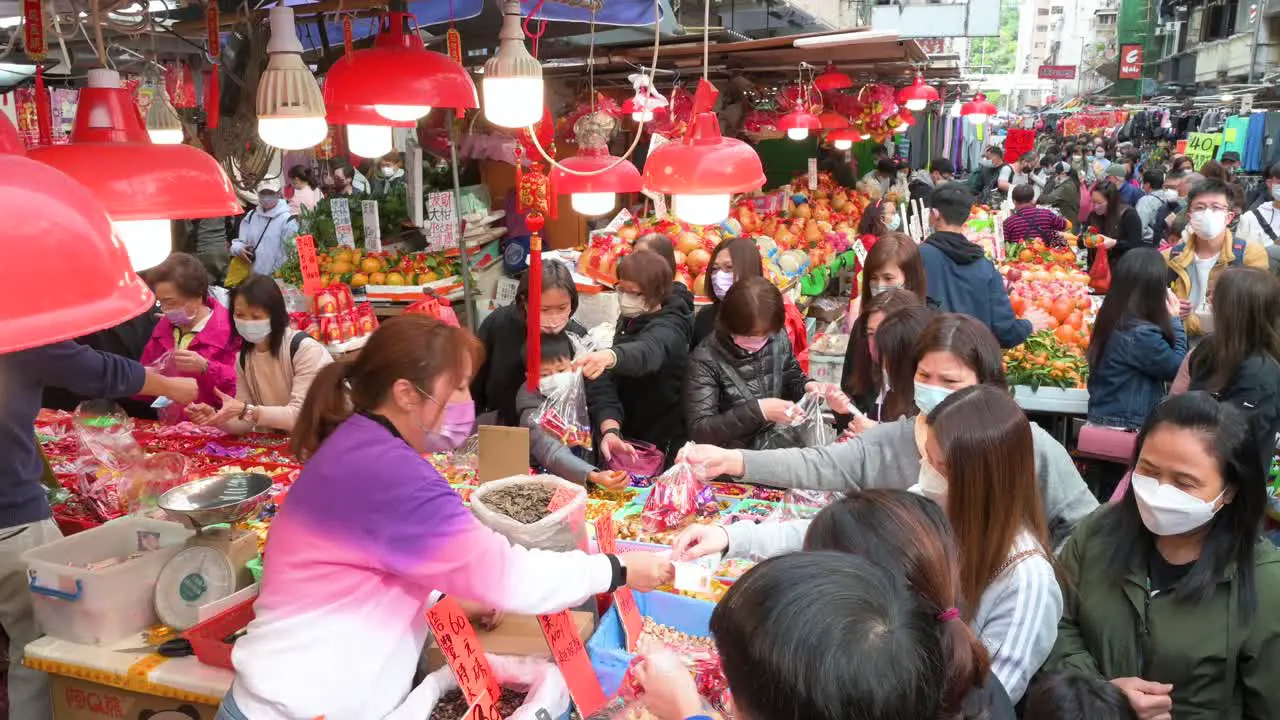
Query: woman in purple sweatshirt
point(372, 533)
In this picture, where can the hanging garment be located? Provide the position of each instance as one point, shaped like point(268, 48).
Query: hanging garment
point(1271, 145)
point(1254, 143)
point(1233, 136)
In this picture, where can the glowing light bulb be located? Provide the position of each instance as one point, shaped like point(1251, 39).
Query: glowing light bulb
point(977, 118)
point(916, 104)
point(901, 128)
point(162, 136)
point(642, 115)
point(843, 144)
point(512, 102)
point(402, 113)
point(798, 133)
point(592, 204)
point(702, 209)
point(295, 133)
point(369, 140)
point(148, 241)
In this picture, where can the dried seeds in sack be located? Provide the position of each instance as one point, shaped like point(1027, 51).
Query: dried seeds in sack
point(453, 706)
point(564, 411)
point(527, 503)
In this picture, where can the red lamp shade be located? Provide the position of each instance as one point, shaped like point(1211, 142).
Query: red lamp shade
point(111, 154)
point(49, 215)
point(798, 124)
point(916, 95)
point(703, 170)
point(844, 138)
point(979, 108)
point(833, 121)
point(595, 194)
point(831, 79)
point(398, 76)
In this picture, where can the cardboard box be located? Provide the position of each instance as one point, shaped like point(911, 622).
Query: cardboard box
point(517, 635)
point(79, 700)
point(503, 452)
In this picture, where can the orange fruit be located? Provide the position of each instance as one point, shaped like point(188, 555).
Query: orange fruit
point(370, 265)
point(395, 278)
point(377, 278)
point(359, 280)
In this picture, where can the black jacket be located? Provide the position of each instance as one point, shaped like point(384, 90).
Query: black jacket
point(716, 410)
point(503, 334)
point(684, 294)
point(1255, 389)
point(704, 323)
point(642, 391)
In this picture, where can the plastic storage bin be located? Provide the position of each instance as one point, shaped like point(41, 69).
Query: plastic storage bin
point(106, 605)
point(608, 648)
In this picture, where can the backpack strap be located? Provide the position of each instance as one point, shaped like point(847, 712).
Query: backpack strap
point(1238, 246)
point(294, 343)
point(1177, 250)
point(1264, 225)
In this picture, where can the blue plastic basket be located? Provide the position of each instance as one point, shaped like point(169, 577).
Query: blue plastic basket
point(608, 648)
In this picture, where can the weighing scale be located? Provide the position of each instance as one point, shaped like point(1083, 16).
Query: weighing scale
point(212, 566)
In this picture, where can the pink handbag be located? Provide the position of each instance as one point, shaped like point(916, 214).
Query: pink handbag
point(1107, 443)
point(1122, 487)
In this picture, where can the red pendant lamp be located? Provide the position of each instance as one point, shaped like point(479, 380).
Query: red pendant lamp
point(917, 95)
point(368, 132)
point(703, 170)
point(143, 186)
point(844, 138)
point(398, 77)
point(49, 215)
point(799, 123)
point(595, 192)
point(832, 120)
point(831, 79)
point(978, 109)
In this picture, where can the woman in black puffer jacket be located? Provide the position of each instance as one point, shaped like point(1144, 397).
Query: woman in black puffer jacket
point(743, 377)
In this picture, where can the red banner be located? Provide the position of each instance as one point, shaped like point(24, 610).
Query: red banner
point(1056, 72)
point(1131, 62)
point(33, 28)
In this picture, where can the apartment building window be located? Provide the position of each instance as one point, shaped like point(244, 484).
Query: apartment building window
point(1106, 19)
point(1057, 10)
point(1042, 28)
point(1042, 11)
point(1040, 46)
point(1220, 20)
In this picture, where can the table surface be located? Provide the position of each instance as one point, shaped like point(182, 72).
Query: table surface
point(1052, 400)
point(185, 679)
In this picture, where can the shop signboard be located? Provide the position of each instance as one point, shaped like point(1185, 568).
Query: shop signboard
point(1130, 62)
point(1056, 72)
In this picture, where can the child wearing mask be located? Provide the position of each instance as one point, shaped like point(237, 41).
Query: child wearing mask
point(548, 452)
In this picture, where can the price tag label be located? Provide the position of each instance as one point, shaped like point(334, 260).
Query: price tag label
point(623, 599)
point(659, 202)
point(571, 657)
point(461, 649)
point(342, 222)
point(1201, 148)
point(309, 264)
point(484, 708)
point(372, 225)
point(563, 496)
point(860, 251)
point(622, 218)
point(813, 173)
point(441, 222)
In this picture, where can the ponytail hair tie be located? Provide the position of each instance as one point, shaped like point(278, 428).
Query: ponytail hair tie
point(948, 615)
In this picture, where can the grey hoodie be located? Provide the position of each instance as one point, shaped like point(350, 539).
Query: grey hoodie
point(886, 457)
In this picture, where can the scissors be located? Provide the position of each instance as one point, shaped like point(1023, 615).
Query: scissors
point(176, 648)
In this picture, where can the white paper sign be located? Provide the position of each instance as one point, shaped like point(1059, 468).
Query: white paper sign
point(505, 292)
point(413, 181)
point(372, 225)
point(860, 252)
point(342, 222)
point(1246, 104)
point(441, 221)
point(622, 218)
point(659, 202)
point(813, 173)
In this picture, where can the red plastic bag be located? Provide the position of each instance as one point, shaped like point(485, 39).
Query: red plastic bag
point(564, 412)
point(1100, 273)
point(676, 498)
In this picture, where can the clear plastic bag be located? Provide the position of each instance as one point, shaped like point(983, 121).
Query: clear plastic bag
point(678, 495)
point(802, 504)
point(167, 411)
point(147, 480)
point(814, 430)
point(563, 414)
point(107, 452)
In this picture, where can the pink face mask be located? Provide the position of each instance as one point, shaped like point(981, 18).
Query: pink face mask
point(552, 324)
point(750, 344)
point(459, 420)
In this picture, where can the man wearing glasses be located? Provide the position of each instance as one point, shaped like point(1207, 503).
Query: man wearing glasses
point(1207, 249)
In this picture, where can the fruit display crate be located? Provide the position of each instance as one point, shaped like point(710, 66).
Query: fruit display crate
point(1061, 401)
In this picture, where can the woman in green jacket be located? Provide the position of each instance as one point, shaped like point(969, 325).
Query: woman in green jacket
point(1166, 583)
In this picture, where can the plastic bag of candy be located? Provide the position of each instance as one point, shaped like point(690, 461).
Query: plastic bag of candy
point(564, 411)
point(811, 424)
point(802, 504)
point(105, 435)
point(147, 480)
point(642, 466)
point(678, 495)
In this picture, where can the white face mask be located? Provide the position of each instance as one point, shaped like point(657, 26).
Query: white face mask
point(553, 386)
point(1275, 192)
point(631, 305)
point(254, 331)
point(1166, 510)
point(931, 483)
point(387, 171)
point(878, 289)
point(894, 222)
point(1209, 224)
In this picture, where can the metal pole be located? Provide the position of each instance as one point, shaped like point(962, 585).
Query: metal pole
point(1253, 44)
point(468, 299)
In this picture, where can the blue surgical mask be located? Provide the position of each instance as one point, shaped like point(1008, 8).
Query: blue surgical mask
point(929, 397)
point(894, 222)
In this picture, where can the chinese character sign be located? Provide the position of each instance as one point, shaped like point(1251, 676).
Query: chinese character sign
point(341, 210)
point(570, 656)
point(372, 225)
point(309, 264)
point(461, 649)
point(441, 222)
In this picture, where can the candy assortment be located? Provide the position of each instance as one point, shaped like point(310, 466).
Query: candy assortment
point(563, 413)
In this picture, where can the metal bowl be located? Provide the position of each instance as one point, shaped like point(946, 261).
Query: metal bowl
point(224, 498)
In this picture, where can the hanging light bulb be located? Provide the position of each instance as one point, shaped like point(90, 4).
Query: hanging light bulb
point(710, 209)
point(512, 85)
point(917, 95)
point(402, 113)
point(638, 110)
point(978, 109)
point(799, 124)
point(842, 138)
point(593, 204)
point(843, 144)
point(289, 105)
point(147, 241)
point(369, 140)
point(593, 178)
point(163, 124)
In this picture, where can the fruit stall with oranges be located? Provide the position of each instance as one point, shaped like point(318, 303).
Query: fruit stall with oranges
point(1049, 279)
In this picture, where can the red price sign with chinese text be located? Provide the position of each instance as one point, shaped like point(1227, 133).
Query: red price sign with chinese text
point(570, 656)
point(461, 649)
point(562, 497)
point(484, 709)
point(33, 28)
point(632, 621)
point(213, 23)
point(309, 264)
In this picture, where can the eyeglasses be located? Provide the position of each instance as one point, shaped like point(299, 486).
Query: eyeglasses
point(1218, 208)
